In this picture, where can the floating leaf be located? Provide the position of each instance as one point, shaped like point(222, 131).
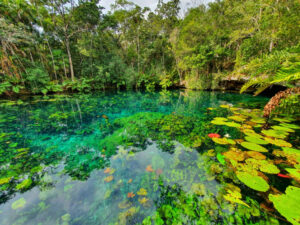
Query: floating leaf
point(278, 142)
point(24, 184)
point(235, 197)
point(256, 140)
point(237, 118)
point(294, 173)
point(253, 181)
point(224, 141)
point(142, 191)
point(108, 179)
point(275, 133)
point(288, 204)
point(252, 133)
point(235, 154)
point(18, 204)
point(254, 147)
point(268, 167)
point(232, 124)
point(219, 121)
point(283, 120)
point(256, 155)
point(292, 126)
point(149, 168)
point(258, 120)
point(130, 195)
point(286, 129)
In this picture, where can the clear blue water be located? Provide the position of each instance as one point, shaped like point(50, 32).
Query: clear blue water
point(105, 158)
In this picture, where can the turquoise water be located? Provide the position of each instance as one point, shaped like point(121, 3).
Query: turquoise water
point(119, 158)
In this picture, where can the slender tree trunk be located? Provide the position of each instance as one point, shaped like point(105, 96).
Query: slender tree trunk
point(70, 59)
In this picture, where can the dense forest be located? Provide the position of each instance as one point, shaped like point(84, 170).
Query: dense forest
point(67, 45)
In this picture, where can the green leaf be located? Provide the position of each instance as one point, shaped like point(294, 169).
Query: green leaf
point(253, 181)
point(256, 140)
point(288, 204)
point(254, 147)
point(275, 133)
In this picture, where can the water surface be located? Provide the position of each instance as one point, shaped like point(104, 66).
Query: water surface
point(118, 158)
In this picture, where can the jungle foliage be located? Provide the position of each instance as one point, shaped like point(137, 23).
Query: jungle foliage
point(67, 45)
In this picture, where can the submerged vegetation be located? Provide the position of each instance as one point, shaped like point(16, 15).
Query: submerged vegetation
point(148, 158)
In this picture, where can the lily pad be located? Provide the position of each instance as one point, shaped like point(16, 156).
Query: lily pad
point(232, 124)
point(258, 120)
point(254, 147)
point(224, 141)
point(256, 155)
point(235, 197)
point(288, 204)
point(292, 126)
point(278, 142)
point(253, 181)
point(252, 133)
point(256, 140)
point(235, 154)
point(18, 204)
point(238, 118)
point(275, 133)
point(286, 129)
point(294, 173)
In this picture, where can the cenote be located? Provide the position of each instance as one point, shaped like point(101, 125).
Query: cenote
point(171, 157)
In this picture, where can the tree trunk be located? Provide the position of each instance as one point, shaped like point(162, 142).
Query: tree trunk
point(70, 60)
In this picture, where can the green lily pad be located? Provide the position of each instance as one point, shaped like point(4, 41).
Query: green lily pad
point(288, 204)
point(258, 120)
point(283, 120)
point(237, 118)
point(286, 129)
point(252, 133)
point(275, 133)
point(278, 142)
point(268, 167)
point(235, 197)
point(254, 147)
point(292, 126)
point(256, 140)
point(253, 181)
point(18, 204)
point(224, 141)
point(232, 124)
point(219, 121)
point(295, 173)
